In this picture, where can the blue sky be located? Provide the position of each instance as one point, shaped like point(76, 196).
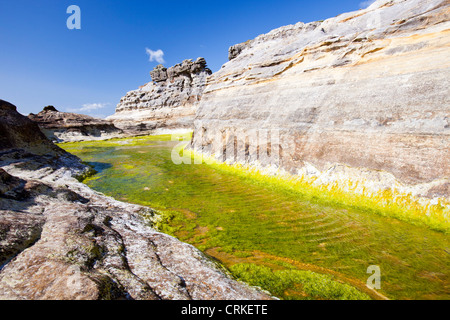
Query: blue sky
point(87, 71)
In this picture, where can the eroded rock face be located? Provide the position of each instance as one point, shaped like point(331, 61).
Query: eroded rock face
point(169, 101)
point(19, 132)
point(236, 50)
point(366, 89)
point(66, 126)
point(61, 240)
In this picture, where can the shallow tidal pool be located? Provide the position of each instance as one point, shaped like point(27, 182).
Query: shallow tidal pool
point(282, 241)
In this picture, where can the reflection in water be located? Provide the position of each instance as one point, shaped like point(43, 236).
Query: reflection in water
point(99, 166)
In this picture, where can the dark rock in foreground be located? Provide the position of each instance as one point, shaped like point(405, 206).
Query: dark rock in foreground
point(20, 132)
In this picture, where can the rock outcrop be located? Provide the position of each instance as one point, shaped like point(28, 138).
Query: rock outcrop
point(363, 96)
point(61, 240)
point(169, 101)
point(65, 126)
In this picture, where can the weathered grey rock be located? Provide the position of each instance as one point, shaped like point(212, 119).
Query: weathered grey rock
point(235, 50)
point(365, 90)
point(169, 101)
point(66, 126)
point(61, 240)
point(22, 133)
point(199, 65)
point(159, 73)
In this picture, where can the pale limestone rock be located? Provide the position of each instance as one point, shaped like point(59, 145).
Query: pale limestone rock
point(366, 89)
point(169, 101)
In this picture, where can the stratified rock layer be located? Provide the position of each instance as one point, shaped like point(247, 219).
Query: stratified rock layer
point(65, 126)
point(169, 101)
point(367, 89)
point(61, 240)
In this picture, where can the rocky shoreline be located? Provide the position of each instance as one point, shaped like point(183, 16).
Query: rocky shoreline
point(61, 240)
point(359, 102)
point(66, 127)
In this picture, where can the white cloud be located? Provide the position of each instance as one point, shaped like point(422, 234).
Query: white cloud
point(157, 55)
point(366, 4)
point(89, 107)
point(93, 106)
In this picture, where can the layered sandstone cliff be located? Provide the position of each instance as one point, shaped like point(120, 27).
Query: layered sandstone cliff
point(65, 126)
point(61, 240)
point(169, 101)
point(363, 96)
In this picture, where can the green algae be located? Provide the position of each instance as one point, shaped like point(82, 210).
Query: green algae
point(387, 203)
point(294, 284)
point(240, 218)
